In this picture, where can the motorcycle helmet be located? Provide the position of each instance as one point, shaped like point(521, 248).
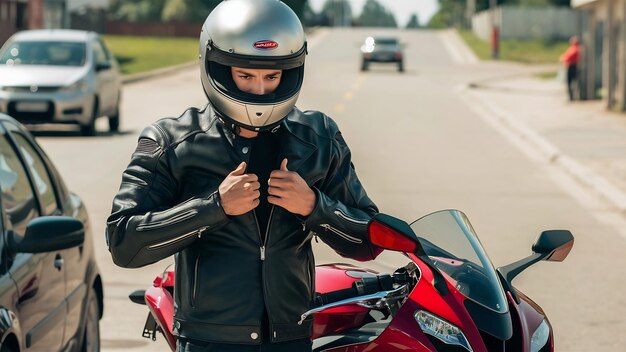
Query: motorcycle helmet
point(254, 34)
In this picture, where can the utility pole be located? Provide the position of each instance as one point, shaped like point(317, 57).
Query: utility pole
point(470, 10)
point(495, 33)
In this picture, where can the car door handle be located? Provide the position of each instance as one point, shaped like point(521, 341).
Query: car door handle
point(58, 262)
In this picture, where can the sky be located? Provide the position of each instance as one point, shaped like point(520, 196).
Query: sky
point(401, 9)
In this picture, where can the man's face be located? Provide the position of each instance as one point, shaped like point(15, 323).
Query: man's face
point(256, 81)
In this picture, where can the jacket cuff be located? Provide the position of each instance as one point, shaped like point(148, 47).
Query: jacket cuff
point(316, 216)
point(216, 215)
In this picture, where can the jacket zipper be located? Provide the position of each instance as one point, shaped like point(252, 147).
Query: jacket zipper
point(179, 238)
point(342, 234)
point(342, 215)
point(195, 282)
point(263, 242)
point(312, 288)
point(176, 219)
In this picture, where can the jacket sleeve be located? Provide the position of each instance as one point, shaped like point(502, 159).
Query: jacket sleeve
point(343, 209)
point(146, 223)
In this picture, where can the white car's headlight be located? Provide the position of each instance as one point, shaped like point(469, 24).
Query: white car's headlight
point(448, 333)
point(79, 85)
point(540, 337)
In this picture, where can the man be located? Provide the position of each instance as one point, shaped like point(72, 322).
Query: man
point(570, 59)
point(237, 190)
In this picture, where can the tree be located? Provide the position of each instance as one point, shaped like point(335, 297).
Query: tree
point(338, 12)
point(376, 15)
point(451, 13)
point(143, 10)
point(297, 6)
point(175, 10)
point(413, 22)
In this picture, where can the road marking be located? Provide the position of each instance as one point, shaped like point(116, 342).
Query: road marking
point(348, 95)
point(605, 202)
point(456, 47)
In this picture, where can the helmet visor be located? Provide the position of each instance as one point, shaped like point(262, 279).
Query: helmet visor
point(249, 61)
point(290, 84)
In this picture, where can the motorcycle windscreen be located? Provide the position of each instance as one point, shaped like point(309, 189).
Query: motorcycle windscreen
point(453, 247)
point(451, 244)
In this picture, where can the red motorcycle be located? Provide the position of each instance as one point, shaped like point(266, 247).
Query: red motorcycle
point(448, 297)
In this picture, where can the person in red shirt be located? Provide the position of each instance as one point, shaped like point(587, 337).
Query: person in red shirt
point(570, 59)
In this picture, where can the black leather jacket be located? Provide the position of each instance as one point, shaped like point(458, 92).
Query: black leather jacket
point(168, 203)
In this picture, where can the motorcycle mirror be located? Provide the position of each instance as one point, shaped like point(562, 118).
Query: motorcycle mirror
point(394, 234)
point(554, 244)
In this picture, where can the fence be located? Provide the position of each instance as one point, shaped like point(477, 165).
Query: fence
point(549, 23)
point(160, 29)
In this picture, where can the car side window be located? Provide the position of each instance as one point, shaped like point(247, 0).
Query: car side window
point(39, 172)
point(106, 50)
point(18, 198)
point(100, 55)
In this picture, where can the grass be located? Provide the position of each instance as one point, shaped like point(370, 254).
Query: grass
point(139, 54)
point(548, 75)
point(525, 51)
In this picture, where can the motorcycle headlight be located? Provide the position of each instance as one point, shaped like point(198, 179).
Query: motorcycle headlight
point(436, 327)
point(79, 85)
point(540, 337)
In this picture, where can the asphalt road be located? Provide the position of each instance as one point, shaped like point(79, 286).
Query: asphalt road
point(417, 147)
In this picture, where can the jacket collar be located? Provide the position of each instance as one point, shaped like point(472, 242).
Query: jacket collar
point(292, 146)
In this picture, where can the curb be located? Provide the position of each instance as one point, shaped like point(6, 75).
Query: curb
point(136, 77)
point(551, 154)
point(486, 82)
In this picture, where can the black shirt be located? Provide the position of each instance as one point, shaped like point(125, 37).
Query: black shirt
point(264, 159)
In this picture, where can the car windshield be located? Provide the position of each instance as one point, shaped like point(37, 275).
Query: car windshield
point(452, 246)
point(385, 41)
point(43, 53)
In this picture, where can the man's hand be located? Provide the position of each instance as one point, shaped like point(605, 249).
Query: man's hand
point(239, 191)
point(288, 190)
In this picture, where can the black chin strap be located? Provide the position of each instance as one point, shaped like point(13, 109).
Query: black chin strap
point(234, 128)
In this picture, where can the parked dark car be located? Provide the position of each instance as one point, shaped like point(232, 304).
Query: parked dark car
point(51, 296)
point(382, 50)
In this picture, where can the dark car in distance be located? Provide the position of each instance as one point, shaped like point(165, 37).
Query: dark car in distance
point(51, 296)
point(382, 50)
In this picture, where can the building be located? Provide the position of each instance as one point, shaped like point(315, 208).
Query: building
point(16, 15)
point(603, 66)
point(12, 17)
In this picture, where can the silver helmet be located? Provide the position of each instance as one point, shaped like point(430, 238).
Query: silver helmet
point(255, 34)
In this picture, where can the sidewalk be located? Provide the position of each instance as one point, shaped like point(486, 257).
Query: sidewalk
point(582, 137)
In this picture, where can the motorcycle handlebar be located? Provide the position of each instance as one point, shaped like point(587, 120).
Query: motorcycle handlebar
point(364, 286)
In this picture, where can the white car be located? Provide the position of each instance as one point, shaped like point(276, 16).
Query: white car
point(60, 76)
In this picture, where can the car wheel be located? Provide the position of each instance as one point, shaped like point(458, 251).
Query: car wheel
point(114, 121)
point(6, 349)
point(91, 337)
point(90, 128)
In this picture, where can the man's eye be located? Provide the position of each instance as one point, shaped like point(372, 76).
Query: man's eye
point(272, 78)
point(245, 77)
